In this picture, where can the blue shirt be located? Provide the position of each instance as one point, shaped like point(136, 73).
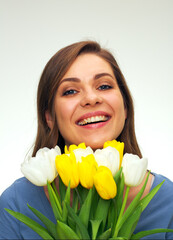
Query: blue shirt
point(158, 214)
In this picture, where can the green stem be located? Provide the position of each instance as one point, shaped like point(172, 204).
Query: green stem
point(75, 201)
point(55, 190)
point(79, 197)
point(121, 212)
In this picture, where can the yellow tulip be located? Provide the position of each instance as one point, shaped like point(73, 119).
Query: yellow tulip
point(68, 169)
point(87, 170)
point(73, 147)
point(104, 183)
point(118, 145)
point(80, 152)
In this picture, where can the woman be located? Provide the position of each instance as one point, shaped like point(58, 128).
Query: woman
point(83, 97)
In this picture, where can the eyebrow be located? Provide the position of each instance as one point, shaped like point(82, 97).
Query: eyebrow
point(99, 75)
point(74, 79)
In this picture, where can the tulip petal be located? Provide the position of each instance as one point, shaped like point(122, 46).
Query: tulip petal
point(81, 152)
point(134, 169)
point(117, 145)
point(68, 169)
point(87, 170)
point(108, 157)
point(104, 183)
point(73, 147)
point(41, 168)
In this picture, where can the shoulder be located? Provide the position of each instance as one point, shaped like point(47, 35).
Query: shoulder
point(16, 198)
point(166, 190)
point(160, 178)
point(159, 212)
point(10, 193)
point(162, 202)
point(11, 198)
point(17, 184)
point(20, 191)
point(15, 194)
point(20, 186)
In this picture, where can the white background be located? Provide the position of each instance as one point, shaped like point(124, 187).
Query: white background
point(138, 32)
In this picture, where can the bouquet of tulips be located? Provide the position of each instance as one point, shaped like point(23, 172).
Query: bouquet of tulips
point(89, 203)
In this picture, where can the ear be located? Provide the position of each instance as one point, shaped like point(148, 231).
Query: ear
point(49, 119)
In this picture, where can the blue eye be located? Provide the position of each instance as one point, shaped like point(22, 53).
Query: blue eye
point(69, 92)
point(105, 87)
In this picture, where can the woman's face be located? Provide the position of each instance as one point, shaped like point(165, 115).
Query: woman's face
point(88, 104)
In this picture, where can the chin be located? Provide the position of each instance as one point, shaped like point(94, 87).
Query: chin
point(97, 144)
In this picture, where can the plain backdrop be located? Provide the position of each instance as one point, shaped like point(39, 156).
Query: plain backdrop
point(138, 32)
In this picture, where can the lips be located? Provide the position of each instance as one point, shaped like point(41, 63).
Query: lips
point(93, 118)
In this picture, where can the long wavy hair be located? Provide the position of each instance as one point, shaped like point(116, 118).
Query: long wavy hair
point(53, 72)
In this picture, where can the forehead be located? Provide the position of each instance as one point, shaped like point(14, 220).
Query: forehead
point(88, 64)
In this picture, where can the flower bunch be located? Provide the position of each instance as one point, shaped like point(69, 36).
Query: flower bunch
point(80, 165)
point(89, 202)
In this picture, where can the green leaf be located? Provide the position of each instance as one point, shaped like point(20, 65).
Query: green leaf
point(71, 223)
point(65, 232)
point(119, 197)
point(118, 175)
point(62, 189)
point(105, 235)
point(94, 204)
point(75, 201)
point(83, 192)
point(40, 230)
point(111, 214)
point(66, 200)
point(95, 224)
point(130, 224)
point(145, 201)
point(55, 190)
point(81, 226)
point(132, 206)
point(142, 234)
point(78, 195)
point(118, 238)
point(51, 227)
point(85, 209)
point(102, 211)
point(57, 210)
point(118, 200)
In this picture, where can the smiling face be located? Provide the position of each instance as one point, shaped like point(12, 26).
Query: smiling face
point(89, 106)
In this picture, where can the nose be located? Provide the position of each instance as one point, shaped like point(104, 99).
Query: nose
point(91, 98)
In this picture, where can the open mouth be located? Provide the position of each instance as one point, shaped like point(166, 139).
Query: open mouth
point(91, 120)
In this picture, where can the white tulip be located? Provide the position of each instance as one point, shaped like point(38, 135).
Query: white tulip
point(41, 168)
point(108, 157)
point(134, 169)
point(81, 152)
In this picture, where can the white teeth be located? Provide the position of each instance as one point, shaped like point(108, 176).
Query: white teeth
point(93, 119)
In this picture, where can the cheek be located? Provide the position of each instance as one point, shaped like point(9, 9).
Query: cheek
point(61, 113)
point(117, 105)
point(64, 111)
point(116, 102)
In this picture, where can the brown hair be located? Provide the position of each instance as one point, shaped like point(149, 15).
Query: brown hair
point(53, 72)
